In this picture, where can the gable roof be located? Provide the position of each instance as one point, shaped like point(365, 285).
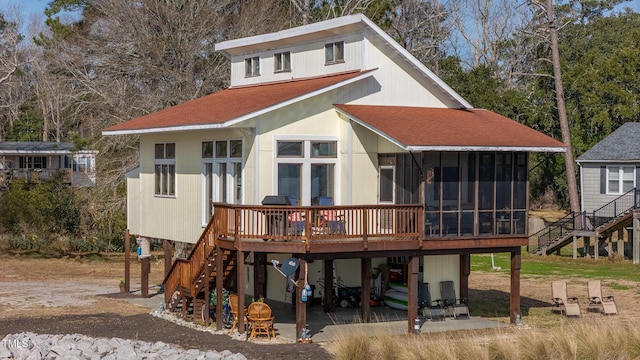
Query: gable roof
point(230, 106)
point(621, 145)
point(331, 28)
point(442, 129)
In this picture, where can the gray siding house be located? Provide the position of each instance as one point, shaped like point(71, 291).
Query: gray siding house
point(610, 168)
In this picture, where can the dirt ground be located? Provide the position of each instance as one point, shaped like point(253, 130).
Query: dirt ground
point(78, 295)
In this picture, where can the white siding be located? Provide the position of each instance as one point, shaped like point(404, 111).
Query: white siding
point(441, 268)
point(307, 60)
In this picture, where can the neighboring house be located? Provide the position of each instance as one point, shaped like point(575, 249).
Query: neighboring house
point(35, 161)
point(610, 168)
point(338, 110)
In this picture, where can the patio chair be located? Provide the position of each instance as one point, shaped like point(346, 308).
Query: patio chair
point(233, 304)
point(431, 309)
point(260, 319)
point(570, 306)
point(605, 305)
point(457, 307)
point(330, 220)
point(297, 223)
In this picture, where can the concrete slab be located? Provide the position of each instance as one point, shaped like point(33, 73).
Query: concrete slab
point(345, 322)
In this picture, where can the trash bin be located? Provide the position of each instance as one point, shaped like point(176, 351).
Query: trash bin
point(275, 219)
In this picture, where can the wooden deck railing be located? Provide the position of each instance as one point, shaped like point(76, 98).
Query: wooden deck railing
point(319, 224)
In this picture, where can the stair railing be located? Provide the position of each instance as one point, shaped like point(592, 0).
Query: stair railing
point(571, 222)
point(612, 210)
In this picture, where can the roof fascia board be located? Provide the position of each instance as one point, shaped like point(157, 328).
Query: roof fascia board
point(245, 117)
point(487, 148)
point(46, 152)
point(610, 161)
point(293, 32)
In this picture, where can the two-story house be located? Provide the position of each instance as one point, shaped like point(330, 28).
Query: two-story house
point(415, 177)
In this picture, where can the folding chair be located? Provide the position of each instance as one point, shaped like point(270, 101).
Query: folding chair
point(431, 309)
point(605, 305)
point(570, 306)
point(457, 307)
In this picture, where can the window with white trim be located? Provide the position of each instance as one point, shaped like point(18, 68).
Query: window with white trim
point(252, 66)
point(306, 169)
point(282, 61)
point(620, 179)
point(334, 53)
point(221, 174)
point(165, 169)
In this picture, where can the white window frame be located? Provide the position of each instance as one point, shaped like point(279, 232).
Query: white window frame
point(333, 59)
point(252, 66)
point(215, 162)
point(306, 161)
point(279, 58)
point(620, 171)
point(170, 165)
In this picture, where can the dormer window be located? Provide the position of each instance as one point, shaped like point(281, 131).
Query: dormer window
point(334, 53)
point(282, 61)
point(252, 66)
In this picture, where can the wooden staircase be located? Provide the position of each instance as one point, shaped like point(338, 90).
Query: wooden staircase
point(189, 278)
point(600, 222)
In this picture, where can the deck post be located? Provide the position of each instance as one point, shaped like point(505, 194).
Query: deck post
point(412, 296)
point(620, 244)
point(127, 261)
point(587, 245)
point(636, 237)
point(329, 307)
point(219, 285)
point(207, 299)
point(145, 265)
point(575, 247)
point(596, 248)
point(465, 270)
point(168, 256)
point(301, 307)
point(365, 309)
point(240, 278)
point(514, 293)
point(259, 275)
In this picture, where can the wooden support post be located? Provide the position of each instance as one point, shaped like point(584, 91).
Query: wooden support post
point(514, 294)
point(259, 275)
point(610, 246)
point(575, 247)
point(219, 285)
point(596, 248)
point(329, 306)
point(412, 296)
point(465, 270)
point(145, 264)
point(207, 299)
point(301, 307)
point(620, 243)
point(127, 261)
point(636, 237)
point(240, 281)
point(587, 245)
point(168, 256)
point(365, 270)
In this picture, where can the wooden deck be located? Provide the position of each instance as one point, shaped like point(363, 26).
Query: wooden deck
point(341, 231)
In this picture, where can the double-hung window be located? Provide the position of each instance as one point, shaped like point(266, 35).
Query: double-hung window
point(306, 169)
point(252, 66)
point(282, 61)
point(334, 53)
point(620, 179)
point(165, 169)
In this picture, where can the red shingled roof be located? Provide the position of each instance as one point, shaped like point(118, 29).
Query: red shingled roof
point(417, 126)
point(229, 104)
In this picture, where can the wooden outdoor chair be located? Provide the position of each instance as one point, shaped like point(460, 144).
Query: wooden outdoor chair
point(261, 321)
point(233, 304)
